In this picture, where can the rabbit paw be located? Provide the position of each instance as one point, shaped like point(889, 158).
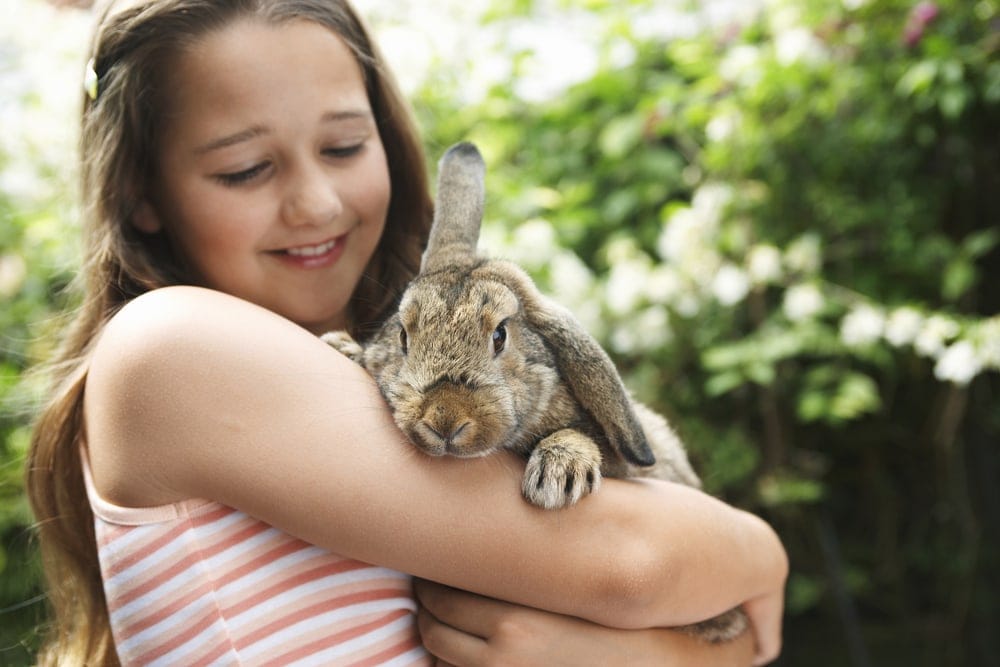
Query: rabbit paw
point(342, 342)
point(563, 468)
point(723, 628)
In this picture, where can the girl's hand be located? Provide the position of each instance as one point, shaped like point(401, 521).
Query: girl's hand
point(466, 630)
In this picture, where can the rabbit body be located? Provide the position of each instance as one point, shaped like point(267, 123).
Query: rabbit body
point(477, 359)
point(465, 373)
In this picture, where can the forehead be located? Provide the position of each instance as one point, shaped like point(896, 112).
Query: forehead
point(436, 304)
point(252, 72)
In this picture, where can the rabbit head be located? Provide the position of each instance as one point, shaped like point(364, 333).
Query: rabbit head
point(476, 358)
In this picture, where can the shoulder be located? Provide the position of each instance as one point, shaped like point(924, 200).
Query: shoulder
point(174, 328)
point(180, 312)
point(177, 370)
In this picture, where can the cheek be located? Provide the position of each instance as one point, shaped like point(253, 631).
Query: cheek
point(370, 186)
point(212, 237)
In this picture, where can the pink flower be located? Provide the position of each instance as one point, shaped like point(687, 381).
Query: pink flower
point(924, 12)
point(920, 17)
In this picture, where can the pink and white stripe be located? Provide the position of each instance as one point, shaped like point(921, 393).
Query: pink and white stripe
point(199, 583)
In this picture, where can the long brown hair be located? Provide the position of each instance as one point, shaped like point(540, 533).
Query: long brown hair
point(132, 49)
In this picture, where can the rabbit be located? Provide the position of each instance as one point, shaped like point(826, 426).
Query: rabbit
point(476, 359)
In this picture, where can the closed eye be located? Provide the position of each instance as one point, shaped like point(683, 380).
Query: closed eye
point(344, 151)
point(236, 178)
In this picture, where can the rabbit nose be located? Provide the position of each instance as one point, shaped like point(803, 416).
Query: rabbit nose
point(448, 434)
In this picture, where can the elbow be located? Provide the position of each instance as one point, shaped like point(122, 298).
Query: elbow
point(637, 585)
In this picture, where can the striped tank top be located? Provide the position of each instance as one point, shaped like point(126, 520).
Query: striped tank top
point(199, 583)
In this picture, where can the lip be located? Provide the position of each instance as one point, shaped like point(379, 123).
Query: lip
point(312, 255)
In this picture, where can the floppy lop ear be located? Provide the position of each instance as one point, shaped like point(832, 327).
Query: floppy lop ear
point(585, 367)
point(458, 208)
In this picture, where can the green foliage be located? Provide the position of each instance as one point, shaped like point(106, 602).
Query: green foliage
point(785, 230)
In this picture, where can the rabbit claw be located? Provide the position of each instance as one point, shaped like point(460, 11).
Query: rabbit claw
point(342, 342)
point(563, 467)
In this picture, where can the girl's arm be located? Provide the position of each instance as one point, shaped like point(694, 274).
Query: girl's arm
point(465, 629)
point(192, 393)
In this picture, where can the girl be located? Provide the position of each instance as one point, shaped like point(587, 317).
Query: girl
point(252, 179)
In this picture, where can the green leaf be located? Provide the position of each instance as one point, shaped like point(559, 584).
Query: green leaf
point(959, 276)
point(953, 101)
point(981, 242)
point(784, 489)
point(803, 592)
point(621, 136)
point(723, 383)
point(856, 396)
point(812, 406)
point(917, 79)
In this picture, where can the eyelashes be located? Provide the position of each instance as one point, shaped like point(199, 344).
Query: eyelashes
point(233, 179)
point(248, 175)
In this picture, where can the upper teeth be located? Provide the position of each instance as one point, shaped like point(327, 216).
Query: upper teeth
point(312, 250)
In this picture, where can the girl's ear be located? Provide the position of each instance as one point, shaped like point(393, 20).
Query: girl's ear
point(146, 219)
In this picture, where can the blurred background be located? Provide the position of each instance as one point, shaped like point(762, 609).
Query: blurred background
point(782, 217)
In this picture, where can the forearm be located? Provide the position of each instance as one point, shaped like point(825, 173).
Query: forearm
point(461, 628)
point(244, 408)
point(690, 556)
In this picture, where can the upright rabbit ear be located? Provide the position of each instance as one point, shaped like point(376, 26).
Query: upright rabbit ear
point(458, 209)
point(585, 367)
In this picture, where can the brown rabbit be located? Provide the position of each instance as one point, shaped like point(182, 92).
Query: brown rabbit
point(477, 359)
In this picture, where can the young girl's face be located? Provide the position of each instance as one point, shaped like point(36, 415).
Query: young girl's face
point(272, 180)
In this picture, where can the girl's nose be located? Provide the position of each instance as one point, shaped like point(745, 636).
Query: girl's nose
point(311, 199)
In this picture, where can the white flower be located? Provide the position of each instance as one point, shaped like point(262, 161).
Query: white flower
point(958, 364)
point(851, 5)
point(798, 45)
point(687, 305)
point(684, 230)
point(12, 273)
point(741, 64)
point(663, 284)
point(555, 58)
point(722, 126)
point(764, 264)
point(647, 330)
point(987, 337)
point(710, 200)
point(410, 50)
point(862, 326)
point(625, 286)
point(730, 285)
point(569, 278)
point(936, 331)
point(591, 316)
point(803, 254)
point(802, 302)
point(623, 339)
point(990, 345)
point(534, 243)
point(903, 326)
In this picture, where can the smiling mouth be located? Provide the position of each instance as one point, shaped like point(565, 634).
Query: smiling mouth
point(312, 250)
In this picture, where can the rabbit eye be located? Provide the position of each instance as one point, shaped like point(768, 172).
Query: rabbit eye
point(402, 339)
point(499, 338)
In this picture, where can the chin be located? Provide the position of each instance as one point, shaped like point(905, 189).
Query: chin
point(320, 323)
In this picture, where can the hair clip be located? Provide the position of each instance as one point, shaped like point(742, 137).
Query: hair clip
point(90, 80)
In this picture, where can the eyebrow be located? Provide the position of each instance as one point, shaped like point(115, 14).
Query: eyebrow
point(259, 130)
point(231, 139)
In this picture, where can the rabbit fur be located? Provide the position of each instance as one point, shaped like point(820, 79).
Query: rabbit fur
point(476, 359)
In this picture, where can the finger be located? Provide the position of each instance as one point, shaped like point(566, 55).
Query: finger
point(449, 645)
point(471, 613)
point(765, 614)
